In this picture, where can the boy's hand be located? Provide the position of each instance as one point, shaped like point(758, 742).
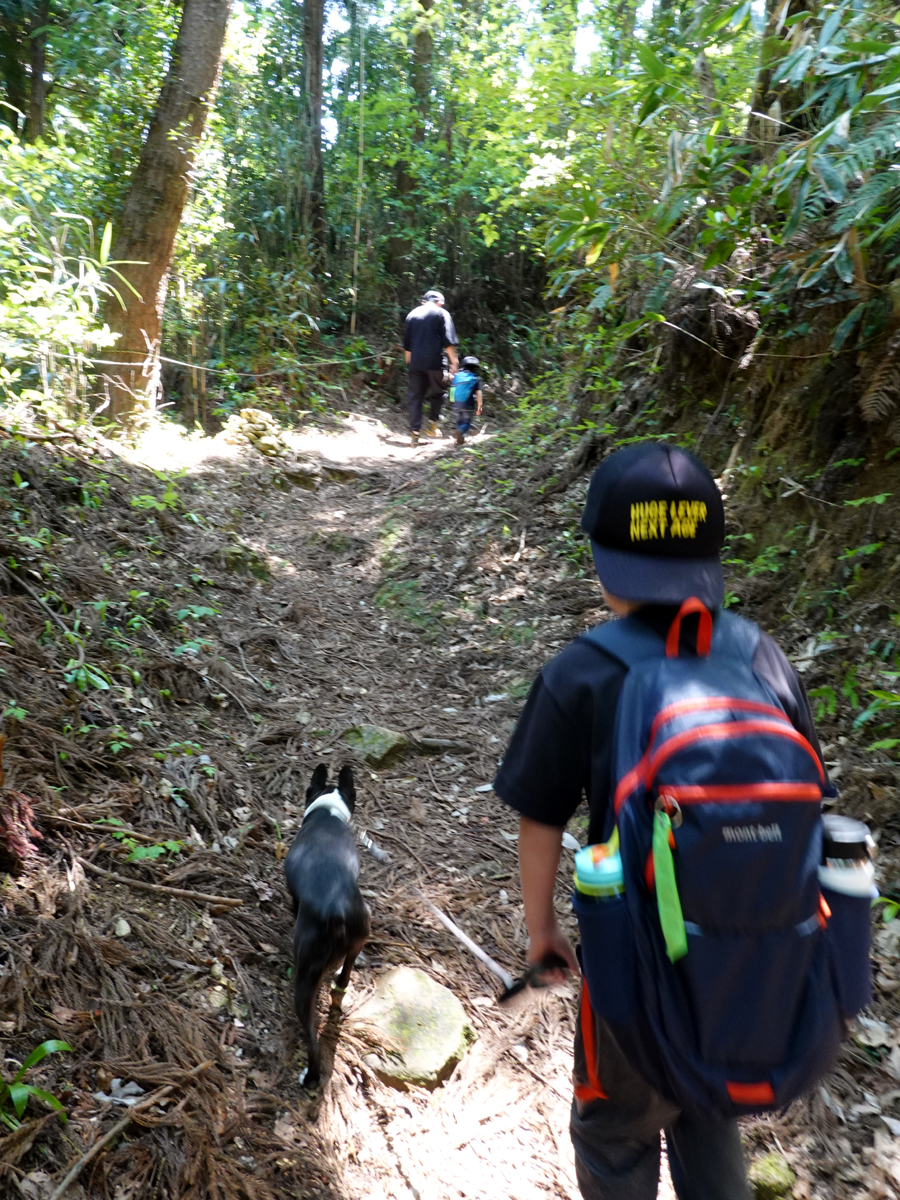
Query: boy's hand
point(554, 941)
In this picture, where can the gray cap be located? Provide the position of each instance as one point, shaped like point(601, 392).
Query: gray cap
point(435, 296)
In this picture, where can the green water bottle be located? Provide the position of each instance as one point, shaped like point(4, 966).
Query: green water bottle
point(598, 871)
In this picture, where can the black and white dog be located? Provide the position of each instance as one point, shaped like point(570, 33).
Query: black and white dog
point(331, 919)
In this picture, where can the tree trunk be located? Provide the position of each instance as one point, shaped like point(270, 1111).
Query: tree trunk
point(14, 78)
point(313, 22)
point(37, 94)
point(155, 203)
point(769, 105)
point(400, 243)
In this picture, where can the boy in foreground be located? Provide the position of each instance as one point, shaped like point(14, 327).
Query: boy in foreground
point(656, 523)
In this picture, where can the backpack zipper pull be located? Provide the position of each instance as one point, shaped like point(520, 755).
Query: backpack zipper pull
point(667, 900)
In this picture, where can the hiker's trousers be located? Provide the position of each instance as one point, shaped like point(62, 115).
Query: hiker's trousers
point(425, 385)
point(616, 1136)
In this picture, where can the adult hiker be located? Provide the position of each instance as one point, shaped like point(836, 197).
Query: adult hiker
point(718, 966)
point(428, 335)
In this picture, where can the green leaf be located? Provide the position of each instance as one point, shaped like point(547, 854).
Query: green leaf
point(832, 182)
point(140, 853)
point(830, 27)
point(53, 1046)
point(721, 252)
point(19, 1093)
point(649, 107)
point(653, 65)
point(879, 499)
point(846, 327)
point(51, 1100)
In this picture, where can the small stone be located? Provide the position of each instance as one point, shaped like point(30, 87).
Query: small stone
point(306, 475)
point(424, 1029)
point(217, 971)
point(771, 1177)
point(122, 928)
point(218, 997)
point(380, 747)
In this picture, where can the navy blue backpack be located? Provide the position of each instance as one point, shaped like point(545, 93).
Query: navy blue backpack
point(723, 972)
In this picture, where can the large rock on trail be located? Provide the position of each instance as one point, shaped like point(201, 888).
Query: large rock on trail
point(380, 747)
point(421, 1027)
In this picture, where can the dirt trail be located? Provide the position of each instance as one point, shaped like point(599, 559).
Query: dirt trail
point(178, 652)
point(398, 596)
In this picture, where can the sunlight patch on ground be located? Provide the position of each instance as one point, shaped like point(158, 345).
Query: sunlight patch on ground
point(166, 446)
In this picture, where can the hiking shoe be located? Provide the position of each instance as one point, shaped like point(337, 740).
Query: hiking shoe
point(460, 438)
point(414, 437)
point(432, 429)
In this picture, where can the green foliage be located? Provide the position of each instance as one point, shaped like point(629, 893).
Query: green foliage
point(138, 852)
point(14, 1094)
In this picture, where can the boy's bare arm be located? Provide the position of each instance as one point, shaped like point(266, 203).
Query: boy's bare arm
point(539, 851)
point(478, 397)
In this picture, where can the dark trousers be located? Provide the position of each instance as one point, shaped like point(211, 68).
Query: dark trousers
point(425, 385)
point(616, 1138)
point(465, 415)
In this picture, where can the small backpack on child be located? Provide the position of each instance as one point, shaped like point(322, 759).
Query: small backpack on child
point(726, 967)
point(463, 388)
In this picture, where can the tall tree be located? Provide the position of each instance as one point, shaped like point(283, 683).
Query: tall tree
point(37, 92)
point(313, 26)
point(156, 200)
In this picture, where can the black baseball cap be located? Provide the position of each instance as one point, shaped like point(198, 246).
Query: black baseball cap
point(657, 523)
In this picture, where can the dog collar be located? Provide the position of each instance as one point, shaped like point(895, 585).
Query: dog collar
point(333, 802)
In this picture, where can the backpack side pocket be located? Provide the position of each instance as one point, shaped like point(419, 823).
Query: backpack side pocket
point(607, 955)
point(849, 934)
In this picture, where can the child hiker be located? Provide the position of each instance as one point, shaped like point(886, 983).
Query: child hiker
point(709, 985)
point(466, 396)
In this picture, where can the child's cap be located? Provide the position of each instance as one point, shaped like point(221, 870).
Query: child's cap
point(657, 523)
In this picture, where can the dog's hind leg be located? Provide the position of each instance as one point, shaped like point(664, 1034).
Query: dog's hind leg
point(343, 977)
point(306, 995)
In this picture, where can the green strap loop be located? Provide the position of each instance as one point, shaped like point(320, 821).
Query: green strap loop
point(670, 916)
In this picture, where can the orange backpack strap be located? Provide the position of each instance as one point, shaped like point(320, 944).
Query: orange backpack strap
point(592, 1090)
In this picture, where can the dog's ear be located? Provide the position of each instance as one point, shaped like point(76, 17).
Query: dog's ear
point(319, 781)
point(346, 787)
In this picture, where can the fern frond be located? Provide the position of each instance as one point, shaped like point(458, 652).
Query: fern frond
point(880, 397)
point(867, 199)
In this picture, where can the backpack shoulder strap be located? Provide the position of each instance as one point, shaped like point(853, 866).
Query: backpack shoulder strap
point(627, 639)
point(734, 637)
point(632, 641)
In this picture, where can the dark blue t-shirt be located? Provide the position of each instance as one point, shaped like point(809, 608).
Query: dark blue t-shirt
point(428, 331)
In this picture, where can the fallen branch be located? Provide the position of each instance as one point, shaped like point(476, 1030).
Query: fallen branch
point(438, 745)
point(147, 1102)
point(59, 819)
point(492, 965)
point(228, 901)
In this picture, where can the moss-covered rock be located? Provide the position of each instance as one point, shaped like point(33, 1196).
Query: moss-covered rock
point(771, 1177)
point(380, 747)
point(421, 1026)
